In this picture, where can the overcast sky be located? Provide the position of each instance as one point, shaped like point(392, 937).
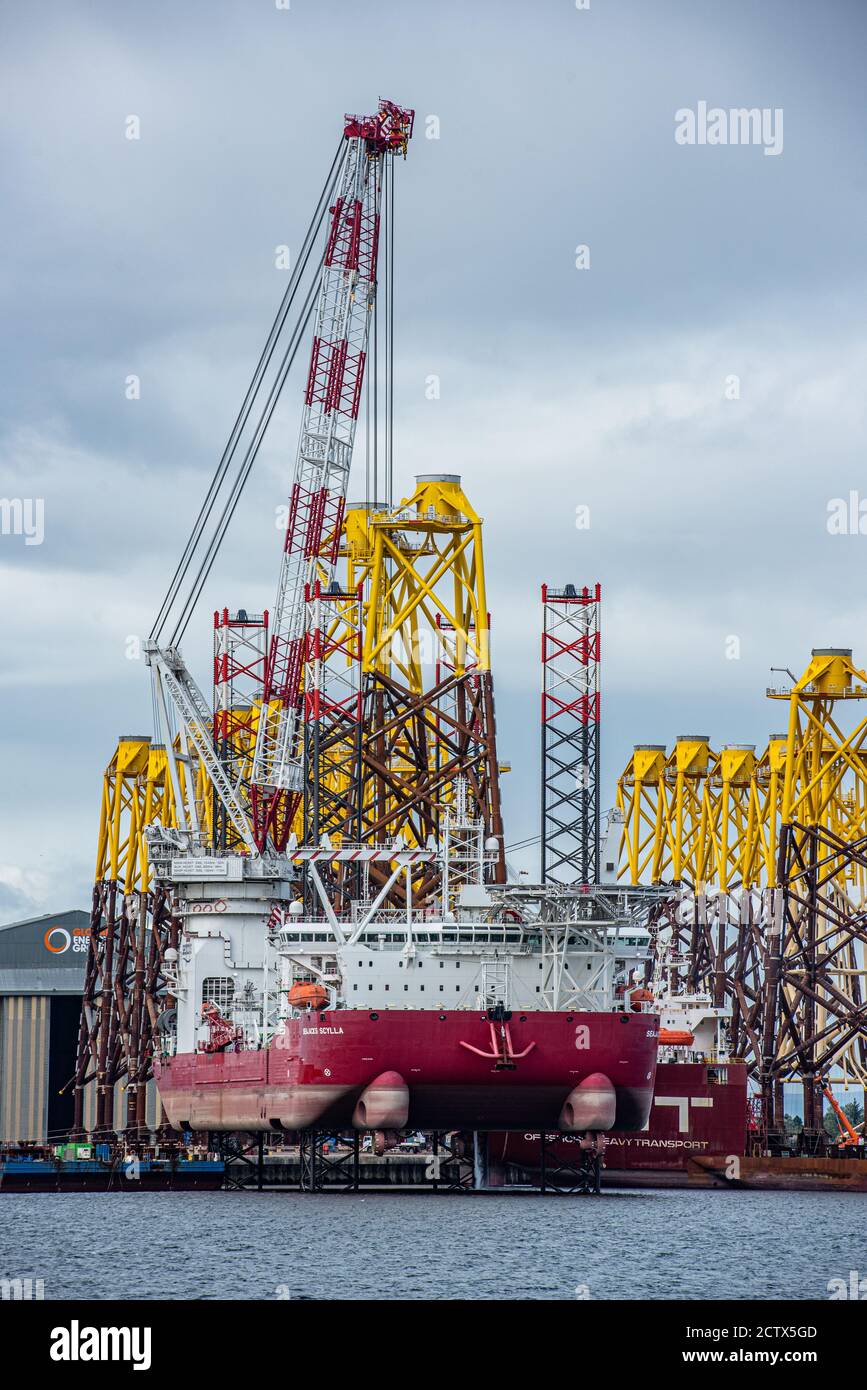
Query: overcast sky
point(606, 387)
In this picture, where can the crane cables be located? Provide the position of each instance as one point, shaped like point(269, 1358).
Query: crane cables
point(379, 434)
point(237, 487)
point(389, 377)
point(180, 605)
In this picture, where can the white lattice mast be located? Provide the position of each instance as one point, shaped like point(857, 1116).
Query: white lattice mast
point(570, 734)
point(318, 494)
point(240, 656)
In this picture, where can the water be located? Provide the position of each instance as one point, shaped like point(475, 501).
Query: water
point(279, 1245)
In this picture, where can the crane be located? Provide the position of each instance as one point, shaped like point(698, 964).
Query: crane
point(261, 807)
point(317, 498)
point(852, 1138)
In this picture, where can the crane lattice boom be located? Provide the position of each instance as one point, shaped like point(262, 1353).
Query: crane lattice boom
point(317, 497)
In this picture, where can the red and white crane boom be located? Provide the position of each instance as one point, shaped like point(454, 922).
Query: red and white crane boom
point(262, 807)
point(317, 497)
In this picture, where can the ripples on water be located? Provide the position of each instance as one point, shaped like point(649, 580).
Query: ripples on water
point(276, 1245)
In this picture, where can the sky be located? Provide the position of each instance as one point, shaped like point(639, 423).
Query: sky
point(698, 385)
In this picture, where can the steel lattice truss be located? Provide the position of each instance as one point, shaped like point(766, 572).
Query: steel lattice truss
point(240, 656)
point(391, 773)
point(333, 724)
point(570, 735)
point(714, 943)
point(317, 495)
point(768, 855)
point(789, 961)
point(399, 725)
point(815, 1014)
point(125, 991)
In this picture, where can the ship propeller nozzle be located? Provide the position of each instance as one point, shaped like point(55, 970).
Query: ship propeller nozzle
point(592, 1105)
point(384, 1104)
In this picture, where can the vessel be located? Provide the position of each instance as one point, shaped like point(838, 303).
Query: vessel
point(495, 1010)
point(390, 1069)
point(105, 1167)
point(700, 1110)
point(700, 1104)
point(316, 929)
point(772, 1173)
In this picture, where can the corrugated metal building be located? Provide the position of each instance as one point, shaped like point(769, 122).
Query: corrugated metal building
point(42, 964)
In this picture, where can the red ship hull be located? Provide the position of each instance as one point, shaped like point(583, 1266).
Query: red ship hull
point(456, 1070)
point(699, 1110)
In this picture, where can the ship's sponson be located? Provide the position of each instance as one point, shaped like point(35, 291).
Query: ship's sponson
point(573, 1072)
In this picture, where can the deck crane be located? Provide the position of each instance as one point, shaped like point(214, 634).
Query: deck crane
point(318, 495)
point(261, 809)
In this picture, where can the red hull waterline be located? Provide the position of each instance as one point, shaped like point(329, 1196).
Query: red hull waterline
point(699, 1111)
point(569, 1072)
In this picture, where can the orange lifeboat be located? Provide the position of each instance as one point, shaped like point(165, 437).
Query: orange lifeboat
point(308, 996)
point(675, 1037)
point(638, 997)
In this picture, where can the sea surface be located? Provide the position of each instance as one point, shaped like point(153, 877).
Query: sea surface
point(285, 1245)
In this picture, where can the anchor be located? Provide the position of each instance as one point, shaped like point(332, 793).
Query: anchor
point(502, 1052)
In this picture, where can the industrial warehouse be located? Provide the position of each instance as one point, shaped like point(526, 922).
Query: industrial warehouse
point(42, 968)
point(42, 973)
